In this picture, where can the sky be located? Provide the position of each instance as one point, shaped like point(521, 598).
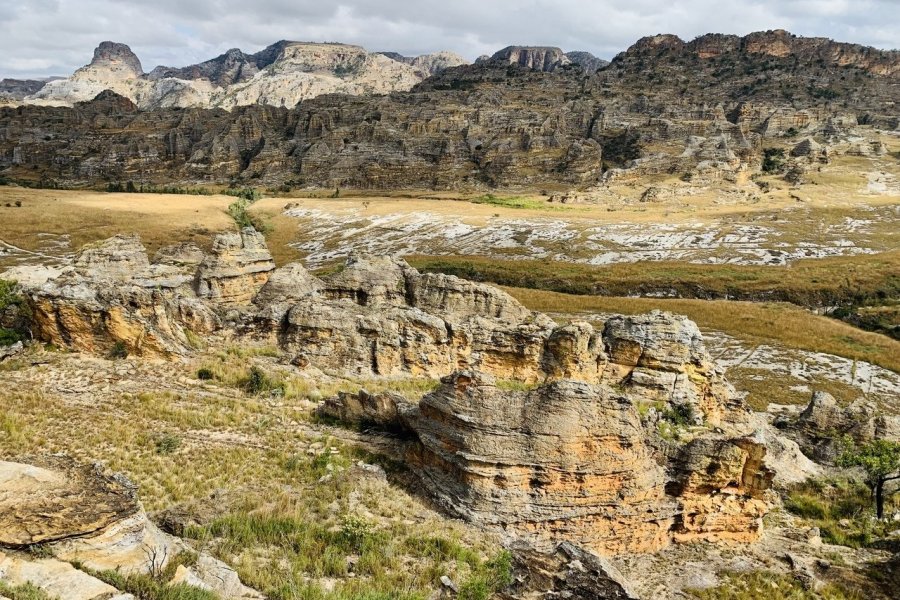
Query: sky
point(54, 37)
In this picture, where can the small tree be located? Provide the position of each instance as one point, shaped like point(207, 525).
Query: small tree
point(880, 459)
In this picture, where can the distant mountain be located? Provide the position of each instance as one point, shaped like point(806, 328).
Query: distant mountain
point(703, 111)
point(282, 74)
point(545, 58)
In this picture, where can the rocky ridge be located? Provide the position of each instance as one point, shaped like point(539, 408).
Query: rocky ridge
point(661, 109)
point(282, 74)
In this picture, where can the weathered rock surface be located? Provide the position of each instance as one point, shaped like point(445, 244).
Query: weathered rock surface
point(84, 515)
point(114, 295)
point(56, 578)
point(53, 498)
point(571, 460)
point(457, 129)
point(566, 461)
point(570, 572)
point(237, 269)
point(823, 424)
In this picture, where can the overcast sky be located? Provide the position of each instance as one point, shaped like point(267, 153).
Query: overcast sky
point(54, 37)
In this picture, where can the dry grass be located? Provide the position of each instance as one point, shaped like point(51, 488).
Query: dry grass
point(785, 324)
point(816, 282)
point(160, 219)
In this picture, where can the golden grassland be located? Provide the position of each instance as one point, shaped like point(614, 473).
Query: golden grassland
point(810, 282)
point(783, 323)
point(160, 219)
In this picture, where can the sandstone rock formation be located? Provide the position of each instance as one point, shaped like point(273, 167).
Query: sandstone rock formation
point(82, 515)
point(456, 129)
point(572, 460)
point(823, 424)
point(52, 498)
point(112, 295)
point(236, 270)
point(281, 75)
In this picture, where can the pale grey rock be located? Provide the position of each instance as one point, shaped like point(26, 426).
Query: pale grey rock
point(236, 270)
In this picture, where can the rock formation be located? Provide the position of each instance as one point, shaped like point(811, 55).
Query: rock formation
point(281, 75)
point(79, 514)
point(622, 438)
point(700, 106)
point(236, 270)
point(822, 426)
point(113, 296)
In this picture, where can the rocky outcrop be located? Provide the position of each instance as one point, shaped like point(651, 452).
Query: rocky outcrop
point(537, 58)
point(589, 63)
point(559, 462)
point(52, 498)
point(570, 571)
point(81, 514)
point(384, 410)
point(113, 297)
point(823, 425)
point(237, 269)
point(429, 64)
point(572, 460)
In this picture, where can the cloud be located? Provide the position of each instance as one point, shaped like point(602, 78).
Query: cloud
point(53, 37)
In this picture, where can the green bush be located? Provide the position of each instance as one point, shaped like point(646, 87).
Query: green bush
point(258, 382)
point(167, 444)
point(118, 351)
point(205, 374)
point(773, 160)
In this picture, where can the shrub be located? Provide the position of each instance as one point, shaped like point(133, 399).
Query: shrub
point(205, 374)
point(257, 382)
point(118, 351)
point(773, 160)
point(167, 444)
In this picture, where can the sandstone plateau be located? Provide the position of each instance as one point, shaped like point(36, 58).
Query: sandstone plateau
point(703, 110)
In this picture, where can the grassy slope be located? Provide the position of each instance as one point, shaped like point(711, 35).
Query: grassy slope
point(814, 282)
point(778, 322)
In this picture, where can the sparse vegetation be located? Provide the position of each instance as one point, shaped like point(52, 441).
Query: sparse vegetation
point(842, 510)
point(13, 311)
point(880, 459)
point(155, 586)
point(22, 592)
point(772, 586)
point(515, 202)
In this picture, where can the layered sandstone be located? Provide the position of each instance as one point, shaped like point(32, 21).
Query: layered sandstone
point(113, 296)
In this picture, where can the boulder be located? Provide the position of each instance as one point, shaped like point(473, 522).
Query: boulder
point(385, 410)
point(569, 571)
point(823, 424)
point(239, 266)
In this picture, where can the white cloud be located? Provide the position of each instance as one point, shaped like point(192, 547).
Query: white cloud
point(46, 37)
